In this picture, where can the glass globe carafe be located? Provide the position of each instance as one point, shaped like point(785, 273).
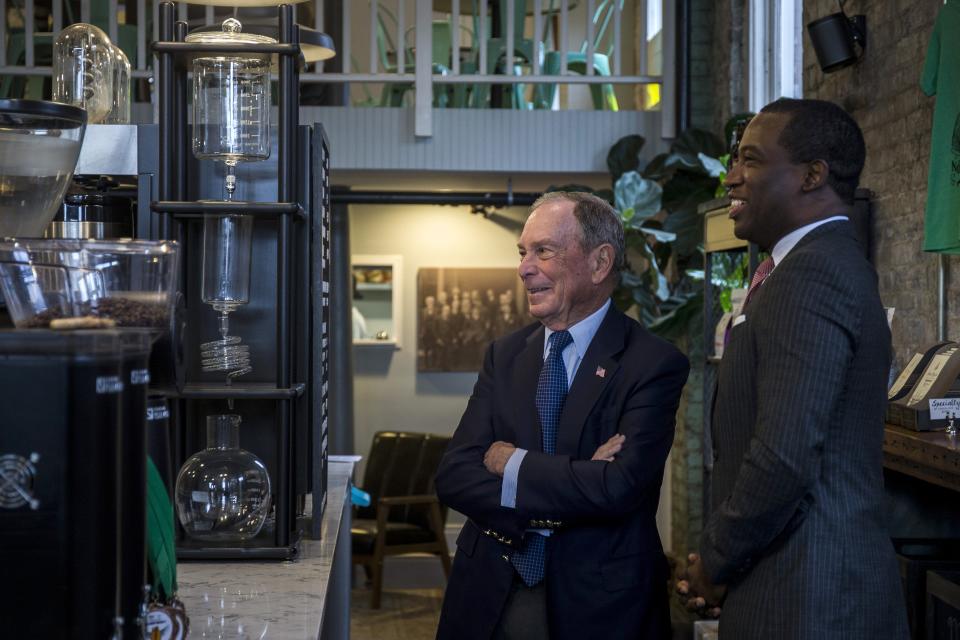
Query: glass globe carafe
point(120, 102)
point(231, 99)
point(83, 70)
point(223, 492)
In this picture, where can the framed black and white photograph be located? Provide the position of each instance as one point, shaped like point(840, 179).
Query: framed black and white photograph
point(460, 311)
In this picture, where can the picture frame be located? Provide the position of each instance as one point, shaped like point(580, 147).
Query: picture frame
point(461, 310)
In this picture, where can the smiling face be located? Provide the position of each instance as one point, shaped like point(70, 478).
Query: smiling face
point(564, 283)
point(764, 185)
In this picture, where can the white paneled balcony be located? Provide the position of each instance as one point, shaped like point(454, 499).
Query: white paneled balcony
point(500, 86)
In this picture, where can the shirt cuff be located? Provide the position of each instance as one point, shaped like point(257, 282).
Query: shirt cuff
point(508, 493)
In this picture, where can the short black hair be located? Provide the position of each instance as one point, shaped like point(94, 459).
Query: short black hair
point(821, 130)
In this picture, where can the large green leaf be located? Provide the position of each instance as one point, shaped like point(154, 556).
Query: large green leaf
point(714, 167)
point(686, 187)
point(624, 156)
point(656, 169)
point(694, 141)
point(676, 322)
point(688, 225)
point(635, 192)
point(659, 234)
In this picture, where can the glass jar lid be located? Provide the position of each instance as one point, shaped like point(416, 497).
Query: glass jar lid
point(231, 33)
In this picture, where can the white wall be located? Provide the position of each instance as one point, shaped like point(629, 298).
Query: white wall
point(388, 391)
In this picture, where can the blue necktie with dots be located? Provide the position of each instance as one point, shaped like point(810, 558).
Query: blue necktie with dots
point(551, 393)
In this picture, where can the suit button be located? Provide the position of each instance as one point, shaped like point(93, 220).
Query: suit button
point(505, 557)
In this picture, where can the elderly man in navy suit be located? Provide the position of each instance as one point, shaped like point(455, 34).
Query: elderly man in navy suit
point(558, 459)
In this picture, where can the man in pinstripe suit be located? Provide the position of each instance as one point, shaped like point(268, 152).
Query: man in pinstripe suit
point(796, 534)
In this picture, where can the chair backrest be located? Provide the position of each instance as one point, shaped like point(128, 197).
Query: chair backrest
point(402, 463)
point(602, 19)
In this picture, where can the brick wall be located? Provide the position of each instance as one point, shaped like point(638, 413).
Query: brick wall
point(702, 64)
point(883, 93)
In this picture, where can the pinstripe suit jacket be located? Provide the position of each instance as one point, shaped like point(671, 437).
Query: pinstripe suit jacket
point(797, 529)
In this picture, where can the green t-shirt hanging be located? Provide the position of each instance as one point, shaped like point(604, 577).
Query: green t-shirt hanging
point(941, 76)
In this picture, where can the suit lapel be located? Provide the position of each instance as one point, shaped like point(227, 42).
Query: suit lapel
point(526, 373)
point(596, 370)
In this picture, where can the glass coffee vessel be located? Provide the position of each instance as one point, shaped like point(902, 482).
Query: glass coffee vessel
point(231, 99)
point(83, 70)
point(223, 492)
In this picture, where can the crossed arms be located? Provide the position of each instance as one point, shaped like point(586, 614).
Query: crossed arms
point(641, 410)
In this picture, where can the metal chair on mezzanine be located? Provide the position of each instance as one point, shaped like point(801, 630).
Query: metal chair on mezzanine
point(603, 96)
point(442, 52)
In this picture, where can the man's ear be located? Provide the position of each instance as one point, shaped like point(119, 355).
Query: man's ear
point(602, 263)
point(816, 175)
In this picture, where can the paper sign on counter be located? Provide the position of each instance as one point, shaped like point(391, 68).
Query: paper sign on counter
point(943, 408)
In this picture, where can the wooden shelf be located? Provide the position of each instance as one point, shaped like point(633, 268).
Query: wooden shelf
point(373, 342)
point(374, 286)
point(931, 456)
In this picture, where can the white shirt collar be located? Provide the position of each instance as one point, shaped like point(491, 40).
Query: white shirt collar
point(581, 332)
point(789, 241)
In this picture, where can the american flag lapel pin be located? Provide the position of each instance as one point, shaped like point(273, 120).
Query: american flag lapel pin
point(601, 372)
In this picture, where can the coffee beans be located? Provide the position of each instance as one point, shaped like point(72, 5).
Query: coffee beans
point(124, 311)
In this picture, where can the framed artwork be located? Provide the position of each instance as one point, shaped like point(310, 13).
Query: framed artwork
point(460, 311)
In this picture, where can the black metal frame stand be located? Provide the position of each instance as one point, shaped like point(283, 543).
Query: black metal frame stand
point(174, 210)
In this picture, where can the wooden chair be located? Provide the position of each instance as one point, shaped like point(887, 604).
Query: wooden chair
point(404, 515)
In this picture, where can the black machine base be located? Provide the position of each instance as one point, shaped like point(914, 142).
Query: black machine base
point(259, 548)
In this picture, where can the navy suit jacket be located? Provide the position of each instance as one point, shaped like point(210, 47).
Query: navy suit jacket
point(605, 574)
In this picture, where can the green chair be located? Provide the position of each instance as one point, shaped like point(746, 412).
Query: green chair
point(523, 53)
point(524, 50)
point(442, 46)
point(604, 97)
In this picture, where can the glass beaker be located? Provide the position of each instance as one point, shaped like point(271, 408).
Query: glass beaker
point(83, 70)
point(231, 99)
point(223, 492)
point(226, 286)
point(120, 99)
point(226, 261)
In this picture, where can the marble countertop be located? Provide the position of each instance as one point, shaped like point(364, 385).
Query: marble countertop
point(267, 599)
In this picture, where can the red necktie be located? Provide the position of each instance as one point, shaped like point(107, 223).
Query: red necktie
point(763, 270)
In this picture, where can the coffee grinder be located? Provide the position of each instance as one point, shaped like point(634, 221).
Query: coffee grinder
point(72, 449)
